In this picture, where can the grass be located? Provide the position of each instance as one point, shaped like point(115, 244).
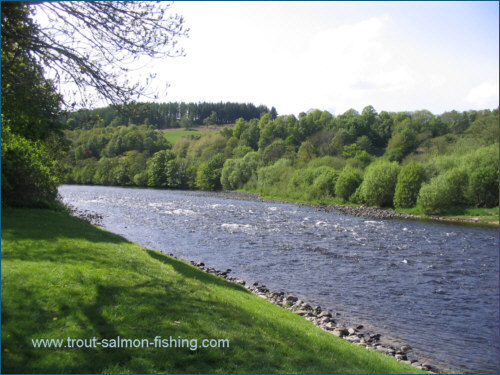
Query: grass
point(62, 277)
point(488, 216)
point(173, 135)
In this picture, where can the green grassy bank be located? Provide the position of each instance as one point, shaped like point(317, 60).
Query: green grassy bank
point(64, 278)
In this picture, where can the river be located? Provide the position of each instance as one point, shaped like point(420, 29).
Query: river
point(433, 286)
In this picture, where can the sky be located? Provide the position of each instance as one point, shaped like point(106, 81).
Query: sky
point(335, 56)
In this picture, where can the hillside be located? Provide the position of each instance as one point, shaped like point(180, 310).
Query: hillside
point(417, 161)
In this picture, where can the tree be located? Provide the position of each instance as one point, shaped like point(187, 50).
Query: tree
point(347, 182)
point(31, 132)
point(88, 44)
point(209, 173)
point(95, 44)
point(410, 180)
point(443, 192)
point(158, 175)
point(210, 120)
point(379, 183)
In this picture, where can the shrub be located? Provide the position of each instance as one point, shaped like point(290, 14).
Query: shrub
point(273, 180)
point(29, 173)
point(483, 186)
point(408, 185)
point(482, 168)
point(324, 184)
point(208, 175)
point(443, 192)
point(237, 172)
point(357, 197)
point(379, 183)
point(347, 183)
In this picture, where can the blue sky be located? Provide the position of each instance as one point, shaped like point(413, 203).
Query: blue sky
point(338, 55)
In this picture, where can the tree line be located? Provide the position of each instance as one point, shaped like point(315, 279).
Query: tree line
point(93, 46)
point(385, 159)
point(167, 115)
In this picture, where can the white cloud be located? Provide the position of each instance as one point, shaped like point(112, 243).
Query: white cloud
point(351, 65)
point(484, 96)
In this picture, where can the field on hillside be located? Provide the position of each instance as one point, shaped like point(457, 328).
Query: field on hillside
point(173, 135)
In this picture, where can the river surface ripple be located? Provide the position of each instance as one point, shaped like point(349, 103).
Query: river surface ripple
point(432, 286)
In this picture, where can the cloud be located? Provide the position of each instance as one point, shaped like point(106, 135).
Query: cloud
point(484, 95)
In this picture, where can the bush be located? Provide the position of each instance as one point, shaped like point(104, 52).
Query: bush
point(273, 180)
point(324, 184)
point(241, 151)
point(29, 173)
point(237, 172)
point(380, 183)
point(482, 168)
point(408, 185)
point(444, 191)
point(157, 172)
point(357, 197)
point(347, 183)
point(483, 186)
point(208, 175)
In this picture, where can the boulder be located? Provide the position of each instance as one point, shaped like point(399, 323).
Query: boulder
point(325, 314)
point(340, 331)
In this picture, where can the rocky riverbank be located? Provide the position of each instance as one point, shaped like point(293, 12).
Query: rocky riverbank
point(326, 320)
point(358, 211)
point(86, 215)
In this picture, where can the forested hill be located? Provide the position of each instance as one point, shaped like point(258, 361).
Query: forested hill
point(167, 115)
point(403, 160)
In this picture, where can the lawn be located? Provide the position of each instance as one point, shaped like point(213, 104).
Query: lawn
point(173, 135)
point(62, 277)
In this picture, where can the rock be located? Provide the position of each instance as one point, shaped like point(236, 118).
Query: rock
point(359, 327)
point(340, 331)
point(325, 320)
point(354, 339)
point(291, 298)
point(325, 314)
point(255, 283)
point(240, 282)
point(329, 326)
point(351, 331)
point(416, 364)
point(405, 348)
point(301, 312)
point(401, 357)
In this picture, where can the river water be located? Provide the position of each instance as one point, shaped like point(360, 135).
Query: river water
point(432, 286)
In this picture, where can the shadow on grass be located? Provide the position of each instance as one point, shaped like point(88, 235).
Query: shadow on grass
point(192, 272)
point(147, 310)
point(40, 224)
